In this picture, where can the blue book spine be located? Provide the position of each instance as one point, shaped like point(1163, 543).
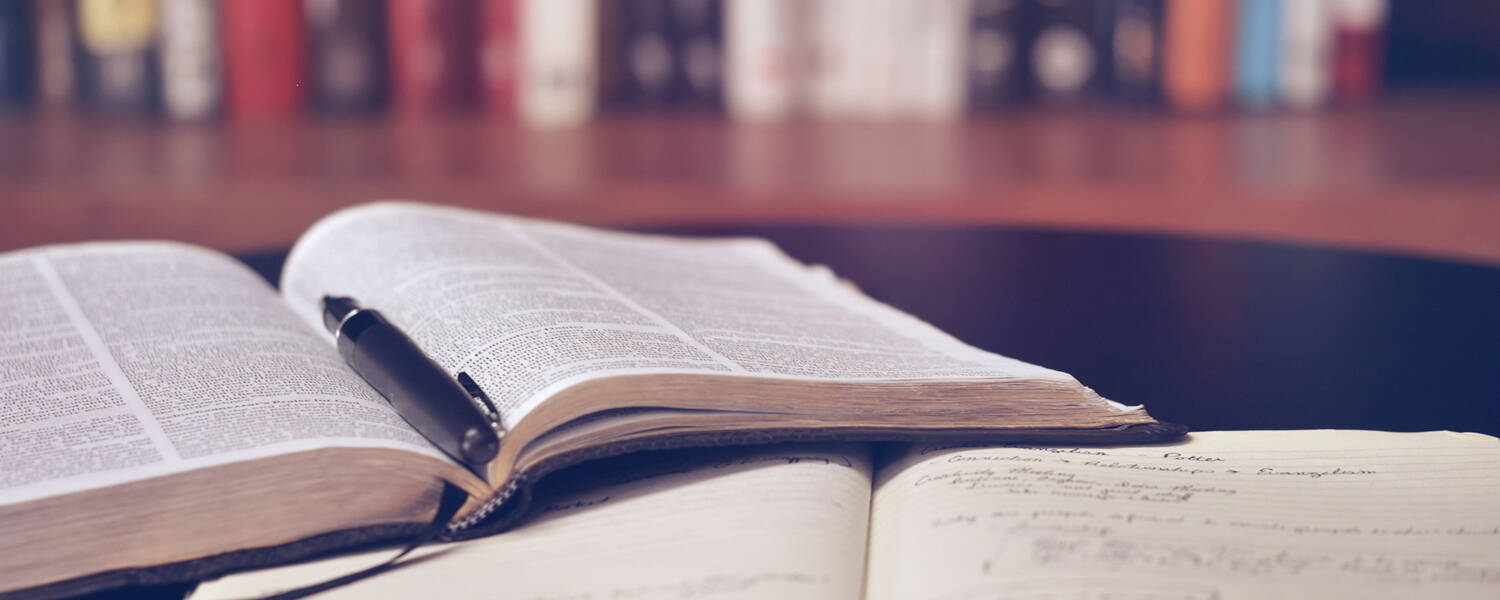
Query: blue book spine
point(1257, 55)
point(17, 53)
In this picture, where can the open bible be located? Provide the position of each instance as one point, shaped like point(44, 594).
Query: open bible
point(166, 415)
point(1223, 515)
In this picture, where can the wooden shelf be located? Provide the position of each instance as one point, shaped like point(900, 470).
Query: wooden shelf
point(1414, 175)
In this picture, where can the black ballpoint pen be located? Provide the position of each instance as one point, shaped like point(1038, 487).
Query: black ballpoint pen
point(450, 413)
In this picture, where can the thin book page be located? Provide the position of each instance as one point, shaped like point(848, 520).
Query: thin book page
point(126, 360)
point(1249, 514)
point(528, 308)
point(770, 522)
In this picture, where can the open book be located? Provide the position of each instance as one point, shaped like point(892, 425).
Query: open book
point(1254, 514)
point(166, 415)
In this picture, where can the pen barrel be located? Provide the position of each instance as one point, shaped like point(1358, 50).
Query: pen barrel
point(420, 390)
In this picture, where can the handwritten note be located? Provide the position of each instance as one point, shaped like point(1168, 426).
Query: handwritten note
point(1227, 514)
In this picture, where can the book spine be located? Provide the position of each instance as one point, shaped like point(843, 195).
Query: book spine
point(1065, 53)
point(697, 27)
point(56, 71)
point(116, 55)
point(763, 66)
point(1306, 30)
point(909, 26)
point(558, 84)
point(1358, 35)
point(1134, 69)
point(434, 54)
point(995, 69)
point(346, 42)
point(264, 57)
point(646, 55)
point(17, 53)
point(610, 61)
point(876, 76)
point(1257, 47)
point(930, 80)
point(499, 59)
point(836, 90)
point(191, 77)
point(1196, 56)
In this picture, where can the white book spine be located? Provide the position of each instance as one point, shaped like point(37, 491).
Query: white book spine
point(764, 67)
point(189, 58)
point(559, 75)
point(836, 36)
point(879, 60)
point(937, 83)
point(908, 30)
point(1306, 36)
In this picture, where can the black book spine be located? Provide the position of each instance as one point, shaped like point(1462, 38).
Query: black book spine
point(1066, 52)
point(996, 54)
point(651, 76)
point(17, 53)
point(347, 54)
point(698, 32)
point(1134, 30)
point(115, 53)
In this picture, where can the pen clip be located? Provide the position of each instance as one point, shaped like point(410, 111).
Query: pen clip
point(482, 401)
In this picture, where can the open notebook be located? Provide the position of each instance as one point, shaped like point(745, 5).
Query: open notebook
point(1251, 514)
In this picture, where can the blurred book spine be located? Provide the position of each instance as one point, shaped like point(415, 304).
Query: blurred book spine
point(835, 81)
point(930, 74)
point(1256, 52)
point(348, 54)
point(264, 57)
point(191, 75)
point(995, 63)
point(435, 54)
point(116, 55)
point(555, 62)
point(558, 84)
point(1305, 70)
point(1198, 33)
point(765, 58)
point(17, 53)
point(1066, 49)
point(1358, 48)
point(644, 55)
point(1133, 71)
point(55, 52)
point(697, 27)
point(499, 60)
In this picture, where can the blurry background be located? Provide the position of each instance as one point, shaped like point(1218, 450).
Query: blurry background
point(236, 123)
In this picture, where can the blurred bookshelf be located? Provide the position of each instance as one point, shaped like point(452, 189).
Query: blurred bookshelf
point(1409, 170)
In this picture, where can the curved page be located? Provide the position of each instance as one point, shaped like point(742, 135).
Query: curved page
point(126, 360)
point(528, 308)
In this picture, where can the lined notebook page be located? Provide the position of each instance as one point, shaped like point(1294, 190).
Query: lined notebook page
point(1224, 515)
point(780, 522)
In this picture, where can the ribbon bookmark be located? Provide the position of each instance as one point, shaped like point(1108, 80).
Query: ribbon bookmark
point(452, 500)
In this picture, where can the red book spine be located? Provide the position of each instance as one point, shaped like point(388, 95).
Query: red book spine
point(264, 57)
point(1357, 56)
point(500, 59)
point(434, 53)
